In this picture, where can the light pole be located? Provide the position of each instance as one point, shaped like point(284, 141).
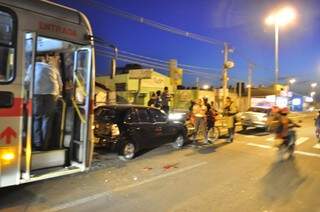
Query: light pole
point(279, 18)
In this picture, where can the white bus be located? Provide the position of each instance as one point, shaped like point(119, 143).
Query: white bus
point(29, 29)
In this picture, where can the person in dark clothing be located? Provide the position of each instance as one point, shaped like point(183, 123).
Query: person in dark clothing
point(152, 100)
point(165, 98)
point(158, 101)
point(209, 119)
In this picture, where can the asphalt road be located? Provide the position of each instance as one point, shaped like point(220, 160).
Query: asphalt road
point(241, 176)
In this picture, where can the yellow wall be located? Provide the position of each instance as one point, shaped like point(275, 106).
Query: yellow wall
point(157, 82)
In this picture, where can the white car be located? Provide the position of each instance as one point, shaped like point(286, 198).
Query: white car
point(255, 117)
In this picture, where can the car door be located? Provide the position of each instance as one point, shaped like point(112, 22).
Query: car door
point(166, 131)
point(150, 134)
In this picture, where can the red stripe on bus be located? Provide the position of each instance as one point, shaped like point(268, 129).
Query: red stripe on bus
point(16, 109)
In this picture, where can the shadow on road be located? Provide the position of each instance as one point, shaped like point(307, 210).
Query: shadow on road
point(17, 198)
point(282, 180)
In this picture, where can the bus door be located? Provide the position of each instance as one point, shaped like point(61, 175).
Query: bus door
point(68, 142)
point(83, 105)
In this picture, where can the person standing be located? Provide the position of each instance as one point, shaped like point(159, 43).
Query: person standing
point(229, 111)
point(165, 97)
point(158, 100)
point(317, 125)
point(152, 100)
point(210, 118)
point(199, 113)
point(47, 88)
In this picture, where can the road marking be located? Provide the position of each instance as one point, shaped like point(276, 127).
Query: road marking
point(317, 146)
point(108, 193)
point(301, 140)
point(307, 154)
point(260, 145)
point(295, 152)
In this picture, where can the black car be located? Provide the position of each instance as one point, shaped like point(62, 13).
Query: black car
point(131, 128)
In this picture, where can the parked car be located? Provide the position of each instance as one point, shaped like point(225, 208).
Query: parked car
point(132, 128)
point(255, 117)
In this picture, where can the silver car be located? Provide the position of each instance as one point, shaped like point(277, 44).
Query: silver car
point(255, 117)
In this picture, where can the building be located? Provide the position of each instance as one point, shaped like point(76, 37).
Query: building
point(136, 86)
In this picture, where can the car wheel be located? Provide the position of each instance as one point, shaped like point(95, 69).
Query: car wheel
point(179, 142)
point(244, 127)
point(128, 150)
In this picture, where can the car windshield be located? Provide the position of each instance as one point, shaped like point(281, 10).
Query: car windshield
point(259, 110)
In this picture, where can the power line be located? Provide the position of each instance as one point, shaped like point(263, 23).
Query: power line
point(107, 8)
point(146, 63)
point(155, 60)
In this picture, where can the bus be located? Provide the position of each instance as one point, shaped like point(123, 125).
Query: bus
point(30, 29)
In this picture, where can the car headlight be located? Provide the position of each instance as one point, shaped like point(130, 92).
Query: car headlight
point(175, 116)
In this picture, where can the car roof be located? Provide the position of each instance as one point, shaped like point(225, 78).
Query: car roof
point(122, 106)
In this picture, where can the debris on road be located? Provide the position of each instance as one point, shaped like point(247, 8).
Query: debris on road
point(170, 166)
point(147, 168)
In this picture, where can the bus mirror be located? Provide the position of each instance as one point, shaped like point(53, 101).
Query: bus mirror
point(6, 99)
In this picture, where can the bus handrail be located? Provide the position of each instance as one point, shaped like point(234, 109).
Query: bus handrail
point(76, 107)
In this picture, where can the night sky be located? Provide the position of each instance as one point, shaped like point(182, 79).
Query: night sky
point(239, 22)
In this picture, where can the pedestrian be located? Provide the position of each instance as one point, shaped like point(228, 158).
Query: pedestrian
point(158, 101)
point(211, 114)
point(165, 97)
point(152, 100)
point(229, 112)
point(317, 125)
point(199, 113)
point(273, 119)
point(47, 88)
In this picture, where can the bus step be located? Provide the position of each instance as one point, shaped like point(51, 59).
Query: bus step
point(47, 159)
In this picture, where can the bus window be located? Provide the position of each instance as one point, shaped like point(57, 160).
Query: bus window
point(81, 75)
point(7, 50)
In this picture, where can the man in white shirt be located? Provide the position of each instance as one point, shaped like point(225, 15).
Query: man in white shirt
point(47, 88)
point(199, 112)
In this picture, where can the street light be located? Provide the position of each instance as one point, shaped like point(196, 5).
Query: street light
point(279, 18)
point(205, 87)
point(293, 80)
point(313, 85)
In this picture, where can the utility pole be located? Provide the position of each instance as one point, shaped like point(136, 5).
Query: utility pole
point(197, 83)
point(250, 69)
point(114, 62)
point(225, 71)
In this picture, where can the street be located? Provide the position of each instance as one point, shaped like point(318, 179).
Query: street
point(241, 176)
